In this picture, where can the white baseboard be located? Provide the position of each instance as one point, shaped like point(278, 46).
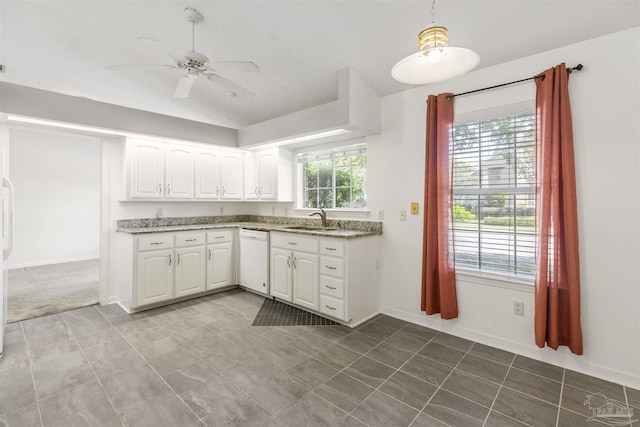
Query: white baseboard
point(559, 358)
point(51, 262)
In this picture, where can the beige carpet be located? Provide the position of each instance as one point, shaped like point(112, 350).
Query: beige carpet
point(48, 289)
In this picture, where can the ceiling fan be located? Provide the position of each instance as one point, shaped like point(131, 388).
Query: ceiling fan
point(196, 64)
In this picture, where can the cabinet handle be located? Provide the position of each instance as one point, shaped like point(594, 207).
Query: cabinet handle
point(289, 261)
point(222, 237)
point(169, 260)
point(331, 249)
point(178, 259)
point(223, 191)
point(156, 243)
point(191, 240)
point(217, 190)
point(292, 243)
point(209, 253)
point(260, 191)
point(330, 287)
point(330, 268)
point(294, 262)
point(159, 188)
point(168, 188)
point(329, 307)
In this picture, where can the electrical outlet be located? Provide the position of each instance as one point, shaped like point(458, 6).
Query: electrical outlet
point(414, 208)
point(518, 308)
point(159, 213)
point(221, 210)
point(381, 214)
point(403, 215)
point(273, 211)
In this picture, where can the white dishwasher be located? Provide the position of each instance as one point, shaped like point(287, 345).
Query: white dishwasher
point(254, 260)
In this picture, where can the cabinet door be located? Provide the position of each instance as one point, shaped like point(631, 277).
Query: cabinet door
point(190, 270)
point(146, 169)
point(155, 277)
point(268, 175)
point(179, 175)
point(305, 280)
point(281, 285)
point(251, 183)
point(231, 178)
point(207, 165)
point(219, 265)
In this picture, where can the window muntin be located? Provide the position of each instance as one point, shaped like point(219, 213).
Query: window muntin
point(493, 179)
point(334, 179)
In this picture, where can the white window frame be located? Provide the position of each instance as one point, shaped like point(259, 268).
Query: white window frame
point(331, 212)
point(494, 278)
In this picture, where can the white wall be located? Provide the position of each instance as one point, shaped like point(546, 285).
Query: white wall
point(57, 197)
point(605, 99)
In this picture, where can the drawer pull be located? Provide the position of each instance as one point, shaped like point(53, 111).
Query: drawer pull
point(329, 307)
point(292, 243)
point(222, 237)
point(191, 240)
point(330, 268)
point(156, 243)
point(169, 260)
point(330, 287)
point(209, 253)
point(331, 249)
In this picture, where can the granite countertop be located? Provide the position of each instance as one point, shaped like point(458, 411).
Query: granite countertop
point(313, 230)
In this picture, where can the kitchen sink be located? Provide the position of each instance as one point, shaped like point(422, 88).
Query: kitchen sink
point(310, 228)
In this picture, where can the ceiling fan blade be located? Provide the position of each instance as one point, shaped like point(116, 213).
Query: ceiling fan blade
point(232, 88)
point(244, 66)
point(140, 66)
point(161, 47)
point(184, 87)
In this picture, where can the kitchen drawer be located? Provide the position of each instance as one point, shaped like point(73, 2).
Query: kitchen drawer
point(332, 247)
point(332, 266)
point(158, 241)
point(222, 236)
point(183, 240)
point(331, 286)
point(332, 307)
point(290, 241)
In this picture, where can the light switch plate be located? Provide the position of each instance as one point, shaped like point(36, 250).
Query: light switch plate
point(403, 215)
point(414, 208)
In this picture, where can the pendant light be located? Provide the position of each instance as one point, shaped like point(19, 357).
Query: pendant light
point(435, 60)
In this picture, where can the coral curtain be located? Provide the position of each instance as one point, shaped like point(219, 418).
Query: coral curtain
point(438, 272)
point(557, 283)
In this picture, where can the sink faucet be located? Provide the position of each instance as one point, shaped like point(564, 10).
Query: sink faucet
point(323, 216)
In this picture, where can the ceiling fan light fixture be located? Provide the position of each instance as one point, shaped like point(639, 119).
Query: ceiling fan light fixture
point(435, 61)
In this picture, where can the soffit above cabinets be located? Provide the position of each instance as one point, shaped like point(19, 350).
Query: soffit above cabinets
point(354, 114)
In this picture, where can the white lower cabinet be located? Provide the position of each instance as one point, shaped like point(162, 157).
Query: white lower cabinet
point(154, 279)
point(220, 259)
point(162, 267)
point(294, 269)
point(335, 277)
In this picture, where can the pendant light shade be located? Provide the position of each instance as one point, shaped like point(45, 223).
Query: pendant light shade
point(435, 60)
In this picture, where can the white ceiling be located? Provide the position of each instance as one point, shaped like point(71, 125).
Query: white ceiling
point(63, 46)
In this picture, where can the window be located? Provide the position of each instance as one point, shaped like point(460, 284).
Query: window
point(493, 163)
point(334, 178)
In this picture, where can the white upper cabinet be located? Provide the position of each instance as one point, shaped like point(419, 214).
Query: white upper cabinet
point(231, 177)
point(268, 175)
point(164, 171)
point(207, 171)
point(179, 172)
point(146, 169)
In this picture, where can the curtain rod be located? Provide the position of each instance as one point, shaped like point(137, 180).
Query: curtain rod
point(576, 68)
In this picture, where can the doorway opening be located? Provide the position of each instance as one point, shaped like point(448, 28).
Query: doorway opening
point(55, 262)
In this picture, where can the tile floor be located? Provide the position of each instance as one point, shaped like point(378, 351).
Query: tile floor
point(201, 363)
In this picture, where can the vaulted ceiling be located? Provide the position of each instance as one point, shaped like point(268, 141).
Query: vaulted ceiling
point(299, 45)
